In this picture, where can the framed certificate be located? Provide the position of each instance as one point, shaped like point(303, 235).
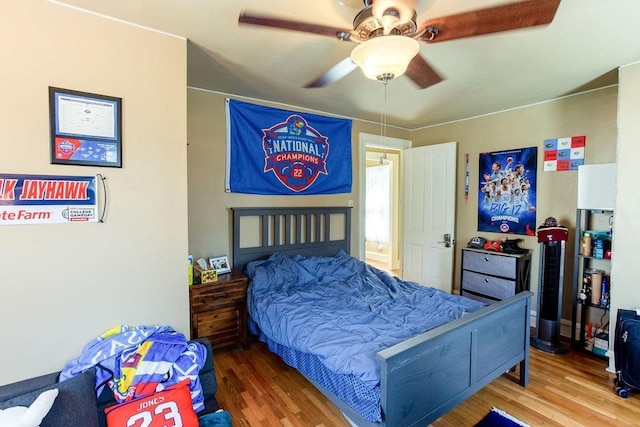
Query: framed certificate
point(86, 129)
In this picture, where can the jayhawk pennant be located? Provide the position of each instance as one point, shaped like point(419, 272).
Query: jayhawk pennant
point(273, 151)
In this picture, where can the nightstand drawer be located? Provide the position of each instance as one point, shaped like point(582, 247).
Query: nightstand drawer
point(488, 285)
point(216, 296)
point(219, 322)
point(496, 265)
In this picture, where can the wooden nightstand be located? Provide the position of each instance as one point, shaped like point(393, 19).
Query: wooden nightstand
point(219, 310)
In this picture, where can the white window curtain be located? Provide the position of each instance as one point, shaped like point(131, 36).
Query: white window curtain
point(377, 203)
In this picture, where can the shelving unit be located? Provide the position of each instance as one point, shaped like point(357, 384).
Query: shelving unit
point(583, 310)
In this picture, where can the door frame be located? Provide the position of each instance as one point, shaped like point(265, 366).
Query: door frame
point(375, 141)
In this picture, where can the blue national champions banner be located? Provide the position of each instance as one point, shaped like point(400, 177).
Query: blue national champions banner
point(279, 152)
point(507, 193)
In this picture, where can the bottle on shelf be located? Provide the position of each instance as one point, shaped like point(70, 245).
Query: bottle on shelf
point(604, 297)
point(596, 287)
point(587, 277)
point(586, 244)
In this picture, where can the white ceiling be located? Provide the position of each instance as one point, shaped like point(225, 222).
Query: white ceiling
point(580, 50)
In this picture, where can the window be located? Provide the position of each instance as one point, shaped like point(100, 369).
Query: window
point(377, 203)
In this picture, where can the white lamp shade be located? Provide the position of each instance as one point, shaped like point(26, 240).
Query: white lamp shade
point(385, 56)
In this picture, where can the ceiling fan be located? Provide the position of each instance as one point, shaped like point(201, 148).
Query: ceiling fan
point(388, 36)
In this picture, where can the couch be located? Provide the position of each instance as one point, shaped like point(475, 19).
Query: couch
point(77, 404)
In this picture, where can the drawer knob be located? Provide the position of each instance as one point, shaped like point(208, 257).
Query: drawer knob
point(486, 280)
point(486, 259)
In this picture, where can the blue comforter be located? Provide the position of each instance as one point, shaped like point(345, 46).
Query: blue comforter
point(343, 310)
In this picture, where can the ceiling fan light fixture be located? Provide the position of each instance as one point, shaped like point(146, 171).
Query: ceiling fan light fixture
point(385, 57)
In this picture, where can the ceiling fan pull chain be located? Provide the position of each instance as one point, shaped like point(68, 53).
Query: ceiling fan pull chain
point(383, 113)
point(382, 118)
point(384, 84)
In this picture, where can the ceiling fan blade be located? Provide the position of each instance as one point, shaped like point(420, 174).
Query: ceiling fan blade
point(285, 24)
point(421, 72)
point(335, 73)
point(510, 16)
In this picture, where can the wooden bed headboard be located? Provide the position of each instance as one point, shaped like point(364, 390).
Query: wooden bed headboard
point(260, 232)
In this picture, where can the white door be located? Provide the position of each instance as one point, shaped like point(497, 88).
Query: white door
point(429, 182)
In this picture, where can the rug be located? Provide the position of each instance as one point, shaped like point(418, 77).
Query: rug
point(498, 418)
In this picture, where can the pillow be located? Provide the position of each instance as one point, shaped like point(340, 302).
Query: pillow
point(75, 404)
point(278, 274)
point(32, 415)
point(172, 405)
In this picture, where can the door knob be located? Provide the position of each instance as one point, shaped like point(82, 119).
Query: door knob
point(447, 240)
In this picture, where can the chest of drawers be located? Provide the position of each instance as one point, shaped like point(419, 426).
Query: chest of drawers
point(490, 276)
point(219, 310)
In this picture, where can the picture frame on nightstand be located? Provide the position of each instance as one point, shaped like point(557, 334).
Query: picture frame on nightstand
point(220, 264)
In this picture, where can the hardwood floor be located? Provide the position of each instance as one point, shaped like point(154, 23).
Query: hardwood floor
point(573, 389)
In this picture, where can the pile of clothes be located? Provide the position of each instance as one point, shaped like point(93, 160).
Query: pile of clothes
point(141, 360)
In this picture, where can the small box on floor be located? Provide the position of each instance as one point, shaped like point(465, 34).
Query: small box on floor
point(601, 344)
point(588, 344)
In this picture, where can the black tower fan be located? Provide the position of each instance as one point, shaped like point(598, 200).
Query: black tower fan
point(552, 239)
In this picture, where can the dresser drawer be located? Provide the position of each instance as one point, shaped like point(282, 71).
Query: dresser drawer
point(478, 297)
point(488, 285)
point(496, 265)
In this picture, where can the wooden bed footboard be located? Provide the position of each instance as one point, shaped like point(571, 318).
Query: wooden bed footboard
point(428, 375)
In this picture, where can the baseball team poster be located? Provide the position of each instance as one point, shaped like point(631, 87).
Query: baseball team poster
point(273, 151)
point(507, 193)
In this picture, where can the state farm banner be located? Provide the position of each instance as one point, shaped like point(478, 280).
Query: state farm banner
point(273, 151)
point(47, 199)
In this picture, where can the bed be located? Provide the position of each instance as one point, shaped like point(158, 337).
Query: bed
point(421, 377)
